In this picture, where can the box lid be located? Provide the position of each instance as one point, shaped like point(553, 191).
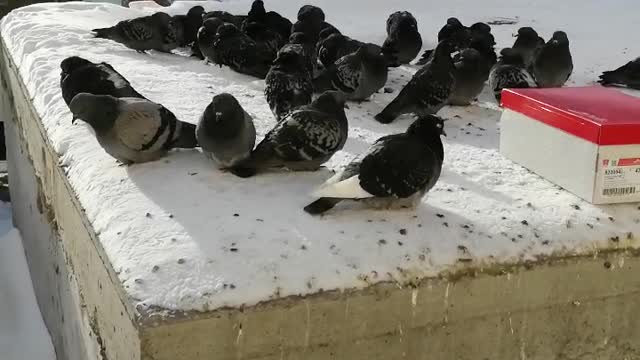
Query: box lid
point(604, 116)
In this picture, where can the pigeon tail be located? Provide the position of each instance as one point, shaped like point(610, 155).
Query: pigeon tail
point(104, 33)
point(321, 205)
point(425, 57)
point(391, 111)
point(187, 138)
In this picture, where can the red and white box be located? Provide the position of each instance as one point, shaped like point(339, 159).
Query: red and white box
point(585, 139)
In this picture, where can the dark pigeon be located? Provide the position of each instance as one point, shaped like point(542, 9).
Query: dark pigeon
point(226, 17)
point(189, 25)
point(527, 43)
point(427, 91)
point(302, 141)
point(358, 75)
point(270, 20)
point(403, 41)
point(396, 171)
point(233, 48)
point(471, 72)
point(206, 37)
point(509, 73)
point(288, 84)
point(308, 50)
point(261, 34)
point(154, 32)
point(335, 46)
point(311, 21)
point(552, 64)
point(627, 75)
point(79, 75)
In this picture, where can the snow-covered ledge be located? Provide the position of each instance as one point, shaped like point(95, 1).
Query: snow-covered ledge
point(173, 259)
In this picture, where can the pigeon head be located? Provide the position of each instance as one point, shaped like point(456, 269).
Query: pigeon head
point(257, 10)
point(99, 111)
point(481, 28)
point(224, 116)
point(195, 12)
point(227, 30)
point(401, 21)
point(298, 38)
point(510, 56)
point(328, 31)
point(254, 29)
point(559, 38)
point(210, 27)
point(444, 48)
point(291, 58)
point(311, 13)
point(527, 32)
point(454, 23)
point(72, 63)
point(428, 129)
point(470, 56)
point(330, 101)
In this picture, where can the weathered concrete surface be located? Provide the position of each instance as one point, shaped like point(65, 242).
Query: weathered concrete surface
point(560, 308)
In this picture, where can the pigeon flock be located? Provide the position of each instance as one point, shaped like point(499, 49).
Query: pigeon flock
point(311, 70)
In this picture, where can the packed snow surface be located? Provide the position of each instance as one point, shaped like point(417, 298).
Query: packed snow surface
point(183, 235)
point(23, 334)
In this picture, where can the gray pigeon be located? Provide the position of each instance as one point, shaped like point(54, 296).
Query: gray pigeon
point(358, 75)
point(302, 141)
point(552, 64)
point(427, 91)
point(206, 36)
point(335, 46)
point(396, 171)
point(79, 75)
point(527, 42)
point(225, 131)
point(132, 130)
point(288, 84)
point(626, 75)
point(403, 41)
point(471, 72)
point(233, 48)
point(154, 32)
point(509, 73)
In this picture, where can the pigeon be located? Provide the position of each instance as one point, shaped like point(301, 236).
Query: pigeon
point(471, 72)
point(403, 41)
point(308, 49)
point(396, 171)
point(509, 73)
point(79, 75)
point(189, 25)
point(132, 130)
point(311, 22)
point(288, 84)
point(206, 36)
point(235, 49)
point(552, 64)
point(358, 75)
point(335, 46)
point(427, 91)
point(259, 33)
point(527, 42)
point(626, 75)
point(155, 32)
point(225, 131)
point(453, 31)
point(226, 17)
point(271, 20)
point(303, 140)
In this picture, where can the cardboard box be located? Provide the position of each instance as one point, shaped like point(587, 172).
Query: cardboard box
point(585, 139)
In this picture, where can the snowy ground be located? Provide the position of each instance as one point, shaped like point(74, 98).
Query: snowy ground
point(22, 331)
point(182, 235)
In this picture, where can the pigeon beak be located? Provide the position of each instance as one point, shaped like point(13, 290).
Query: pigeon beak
point(444, 133)
point(73, 120)
point(514, 35)
point(346, 106)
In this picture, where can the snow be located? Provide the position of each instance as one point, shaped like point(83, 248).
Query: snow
point(23, 334)
point(182, 235)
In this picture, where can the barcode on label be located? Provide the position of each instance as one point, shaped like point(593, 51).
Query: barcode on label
point(619, 191)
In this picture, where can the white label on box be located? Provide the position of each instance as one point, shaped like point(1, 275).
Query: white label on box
point(618, 173)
